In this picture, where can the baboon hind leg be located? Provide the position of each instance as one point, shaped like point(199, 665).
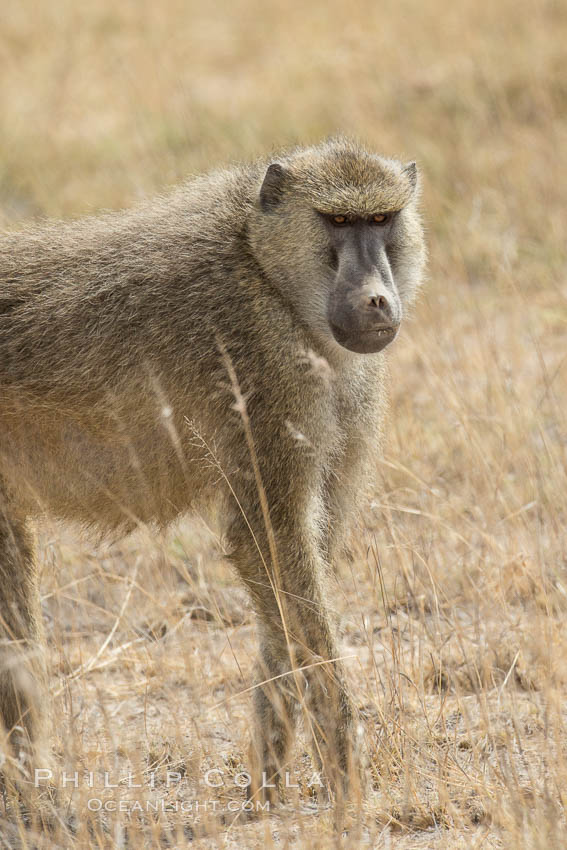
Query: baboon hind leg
point(22, 664)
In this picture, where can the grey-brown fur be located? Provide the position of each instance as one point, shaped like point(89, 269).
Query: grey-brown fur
point(117, 337)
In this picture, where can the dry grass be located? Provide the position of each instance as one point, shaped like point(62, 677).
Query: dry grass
point(454, 603)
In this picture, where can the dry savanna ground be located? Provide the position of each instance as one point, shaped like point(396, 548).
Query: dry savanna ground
point(454, 602)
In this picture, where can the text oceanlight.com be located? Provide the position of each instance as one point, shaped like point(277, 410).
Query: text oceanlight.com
point(195, 808)
point(154, 783)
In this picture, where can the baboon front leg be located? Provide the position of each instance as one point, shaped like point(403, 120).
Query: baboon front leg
point(343, 494)
point(299, 666)
point(22, 667)
point(276, 702)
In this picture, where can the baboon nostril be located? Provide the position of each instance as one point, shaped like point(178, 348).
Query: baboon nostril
point(378, 301)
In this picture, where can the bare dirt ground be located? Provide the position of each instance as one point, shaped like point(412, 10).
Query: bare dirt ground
point(453, 604)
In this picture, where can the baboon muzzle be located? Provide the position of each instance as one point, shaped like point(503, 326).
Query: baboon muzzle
point(364, 318)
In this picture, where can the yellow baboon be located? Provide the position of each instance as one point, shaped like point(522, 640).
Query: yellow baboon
point(123, 341)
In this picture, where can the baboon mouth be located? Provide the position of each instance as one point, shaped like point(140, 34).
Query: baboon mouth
point(364, 341)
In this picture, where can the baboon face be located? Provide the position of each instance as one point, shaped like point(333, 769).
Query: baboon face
point(364, 307)
point(341, 236)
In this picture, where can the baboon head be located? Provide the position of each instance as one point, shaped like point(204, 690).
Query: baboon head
point(337, 230)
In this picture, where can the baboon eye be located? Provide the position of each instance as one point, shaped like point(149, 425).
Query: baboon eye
point(380, 218)
point(336, 219)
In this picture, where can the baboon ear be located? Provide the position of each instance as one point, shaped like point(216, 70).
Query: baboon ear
point(410, 170)
point(272, 188)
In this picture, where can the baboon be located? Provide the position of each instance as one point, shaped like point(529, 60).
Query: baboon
point(222, 341)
